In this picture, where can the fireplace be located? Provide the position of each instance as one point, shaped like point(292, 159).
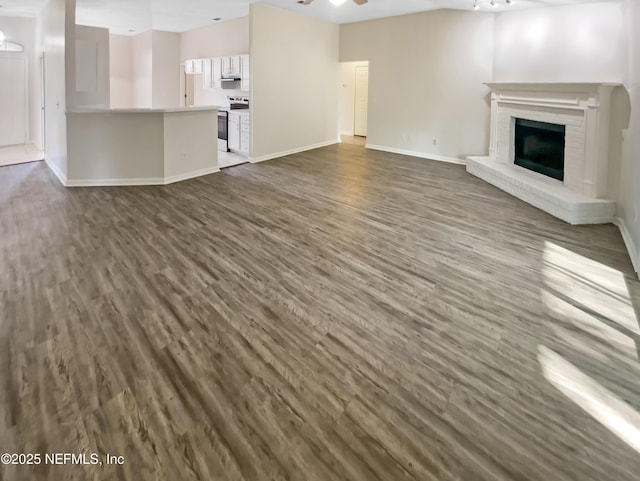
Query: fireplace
point(560, 130)
point(539, 146)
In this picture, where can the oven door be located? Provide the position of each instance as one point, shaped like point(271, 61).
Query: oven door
point(223, 131)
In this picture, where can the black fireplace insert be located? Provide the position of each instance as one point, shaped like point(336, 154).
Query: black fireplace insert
point(539, 146)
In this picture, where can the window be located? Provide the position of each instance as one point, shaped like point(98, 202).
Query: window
point(8, 46)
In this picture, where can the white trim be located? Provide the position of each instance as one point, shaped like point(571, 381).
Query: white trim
point(347, 132)
point(56, 171)
point(255, 160)
point(140, 182)
point(634, 250)
point(422, 155)
point(191, 175)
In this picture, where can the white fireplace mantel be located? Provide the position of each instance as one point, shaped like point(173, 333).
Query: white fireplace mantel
point(584, 110)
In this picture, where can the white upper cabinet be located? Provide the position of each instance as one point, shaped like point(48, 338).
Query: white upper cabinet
point(236, 65)
point(194, 66)
point(231, 66)
point(213, 69)
point(207, 73)
point(244, 83)
point(217, 72)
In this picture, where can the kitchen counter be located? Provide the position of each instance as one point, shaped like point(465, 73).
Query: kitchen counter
point(142, 110)
point(140, 146)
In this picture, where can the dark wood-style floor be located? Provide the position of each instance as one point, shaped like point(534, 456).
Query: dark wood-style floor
point(337, 314)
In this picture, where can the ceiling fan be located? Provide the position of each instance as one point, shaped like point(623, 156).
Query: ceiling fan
point(335, 2)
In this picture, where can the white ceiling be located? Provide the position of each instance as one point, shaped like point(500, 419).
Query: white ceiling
point(121, 16)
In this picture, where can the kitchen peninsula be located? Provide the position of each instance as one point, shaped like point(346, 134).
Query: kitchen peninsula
point(140, 146)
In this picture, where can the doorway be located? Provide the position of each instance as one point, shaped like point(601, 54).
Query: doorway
point(189, 90)
point(354, 99)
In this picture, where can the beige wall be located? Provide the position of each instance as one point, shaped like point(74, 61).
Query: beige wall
point(166, 70)
point(143, 70)
point(294, 82)
point(225, 38)
point(426, 74)
point(121, 71)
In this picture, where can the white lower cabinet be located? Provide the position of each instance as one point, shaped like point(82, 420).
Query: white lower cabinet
point(245, 137)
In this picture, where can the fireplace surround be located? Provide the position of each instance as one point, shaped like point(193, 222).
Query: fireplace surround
point(582, 112)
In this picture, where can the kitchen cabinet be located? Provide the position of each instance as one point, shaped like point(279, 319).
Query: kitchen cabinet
point(245, 138)
point(213, 69)
point(216, 65)
point(231, 66)
point(234, 131)
point(207, 73)
point(193, 66)
point(244, 83)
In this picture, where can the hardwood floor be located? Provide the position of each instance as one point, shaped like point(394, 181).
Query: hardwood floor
point(337, 314)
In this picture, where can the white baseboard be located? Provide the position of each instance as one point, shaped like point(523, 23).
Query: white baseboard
point(422, 155)
point(191, 175)
point(56, 171)
point(140, 182)
point(255, 160)
point(634, 250)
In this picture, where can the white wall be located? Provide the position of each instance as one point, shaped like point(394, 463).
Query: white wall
point(294, 82)
point(165, 69)
point(92, 78)
point(426, 74)
point(23, 31)
point(348, 95)
point(629, 194)
point(578, 43)
point(121, 71)
point(143, 70)
point(56, 24)
point(593, 42)
point(224, 38)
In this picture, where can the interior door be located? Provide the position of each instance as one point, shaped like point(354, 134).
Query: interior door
point(13, 101)
point(361, 101)
point(189, 90)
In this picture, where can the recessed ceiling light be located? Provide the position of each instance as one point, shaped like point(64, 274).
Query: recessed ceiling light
point(493, 3)
point(476, 5)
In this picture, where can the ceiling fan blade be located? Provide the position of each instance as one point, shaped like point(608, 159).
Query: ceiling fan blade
point(360, 2)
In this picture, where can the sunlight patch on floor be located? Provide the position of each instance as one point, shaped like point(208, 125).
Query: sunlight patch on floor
point(587, 323)
point(592, 286)
point(616, 415)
